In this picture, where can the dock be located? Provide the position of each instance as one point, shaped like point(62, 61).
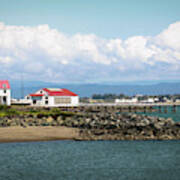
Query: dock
point(124, 107)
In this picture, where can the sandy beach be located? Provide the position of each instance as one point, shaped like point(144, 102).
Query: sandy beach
point(20, 134)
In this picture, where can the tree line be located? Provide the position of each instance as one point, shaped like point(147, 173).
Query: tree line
point(121, 96)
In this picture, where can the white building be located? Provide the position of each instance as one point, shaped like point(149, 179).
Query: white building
point(148, 100)
point(5, 93)
point(53, 97)
point(132, 100)
point(177, 100)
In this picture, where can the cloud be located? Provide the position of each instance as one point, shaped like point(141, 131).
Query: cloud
point(42, 53)
point(170, 37)
point(5, 60)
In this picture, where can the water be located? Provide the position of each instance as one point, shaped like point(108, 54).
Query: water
point(111, 160)
point(174, 115)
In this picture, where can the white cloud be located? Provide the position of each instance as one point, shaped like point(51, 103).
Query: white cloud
point(136, 48)
point(5, 60)
point(59, 57)
point(170, 37)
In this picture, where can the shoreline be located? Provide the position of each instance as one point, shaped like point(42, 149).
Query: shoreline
point(21, 125)
point(51, 133)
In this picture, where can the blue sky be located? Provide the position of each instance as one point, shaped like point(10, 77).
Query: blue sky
point(115, 18)
point(90, 41)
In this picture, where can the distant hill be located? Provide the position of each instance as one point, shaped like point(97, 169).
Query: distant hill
point(86, 90)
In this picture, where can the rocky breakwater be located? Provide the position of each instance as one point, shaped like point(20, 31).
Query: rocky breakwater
point(103, 125)
point(113, 126)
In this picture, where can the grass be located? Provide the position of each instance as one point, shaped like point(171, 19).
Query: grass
point(6, 111)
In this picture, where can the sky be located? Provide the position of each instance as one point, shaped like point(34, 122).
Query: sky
point(97, 41)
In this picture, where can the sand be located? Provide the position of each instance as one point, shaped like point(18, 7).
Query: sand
point(20, 134)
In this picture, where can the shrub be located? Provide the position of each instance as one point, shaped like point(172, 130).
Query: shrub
point(3, 107)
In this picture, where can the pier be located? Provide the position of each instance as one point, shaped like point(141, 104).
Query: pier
point(122, 107)
point(116, 107)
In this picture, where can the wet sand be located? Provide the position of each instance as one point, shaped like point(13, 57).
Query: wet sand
point(20, 134)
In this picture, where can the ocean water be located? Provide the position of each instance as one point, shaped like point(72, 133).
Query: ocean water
point(174, 115)
point(83, 160)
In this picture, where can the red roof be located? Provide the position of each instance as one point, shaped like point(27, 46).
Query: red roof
point(4, 84)
point(60, 92)
point(36, 94)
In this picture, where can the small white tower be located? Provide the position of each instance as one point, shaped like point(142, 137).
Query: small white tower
point(5, 93)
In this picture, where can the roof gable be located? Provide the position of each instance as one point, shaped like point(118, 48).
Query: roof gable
point(4, 84)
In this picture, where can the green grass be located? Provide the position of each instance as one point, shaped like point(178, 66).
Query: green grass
point(7, 111)
point(12, 111)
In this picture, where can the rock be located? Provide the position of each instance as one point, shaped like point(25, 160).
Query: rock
point(143, 123)
point(160, 119)
point(60, 121)
point(49, 119)
point(87, 120)
point(177, 124)
point(133, 116)
point(100, 123)
point(91, 124)
point(166, 137)
point(40, 115)
point(54, 123)
point(157, 126)
point(98, 132)
point(23, 124)
point(13, 123)
point(75, 123)
point(8, 122)
point(169, 122)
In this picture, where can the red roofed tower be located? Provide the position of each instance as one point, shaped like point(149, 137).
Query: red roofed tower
point(5, 93)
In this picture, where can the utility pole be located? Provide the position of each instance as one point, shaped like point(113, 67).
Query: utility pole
point(22, 86)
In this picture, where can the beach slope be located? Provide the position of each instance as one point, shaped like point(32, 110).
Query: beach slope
point(20, 134)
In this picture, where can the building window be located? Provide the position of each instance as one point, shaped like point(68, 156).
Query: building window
point(4, 86)
point(4, 91)
point(41, 92)
point(27, 97)
point(46, 102)
point(4, 99)
point(46, 97)
point(61, 100)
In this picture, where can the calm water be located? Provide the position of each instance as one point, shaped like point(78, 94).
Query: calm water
point(174, 115)
point(111, 160)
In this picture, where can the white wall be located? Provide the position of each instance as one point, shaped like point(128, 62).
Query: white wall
point(51, 103)
point(133, 100)
point(7, 94)
point(74, 101)
point(149, 100)
point(40, 102)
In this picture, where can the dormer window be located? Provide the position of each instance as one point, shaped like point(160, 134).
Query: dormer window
point(4, 86)
point(41, 92)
